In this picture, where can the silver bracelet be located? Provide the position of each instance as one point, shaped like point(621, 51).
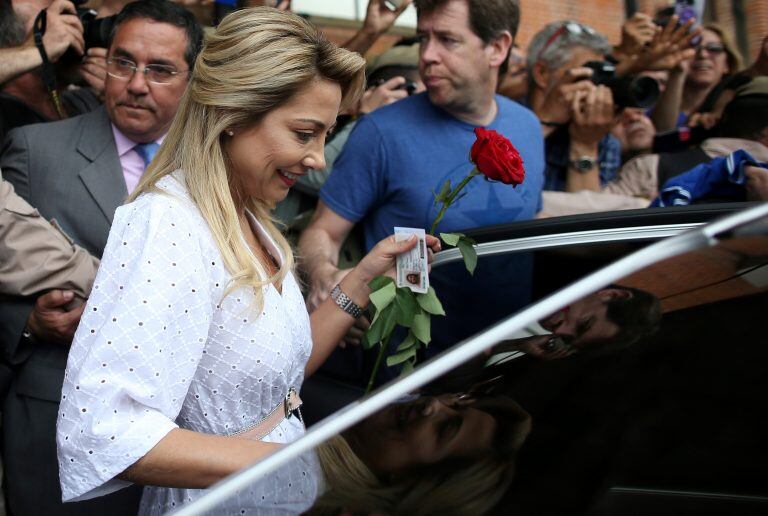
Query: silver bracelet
point(345, 303)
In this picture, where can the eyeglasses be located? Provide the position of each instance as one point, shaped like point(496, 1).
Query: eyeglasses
point(712, 48)
point(124, 69)
point(572, 28)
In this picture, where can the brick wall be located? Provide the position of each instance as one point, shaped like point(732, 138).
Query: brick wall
point(604, 15)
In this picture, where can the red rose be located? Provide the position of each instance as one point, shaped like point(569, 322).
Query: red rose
point(497, 158)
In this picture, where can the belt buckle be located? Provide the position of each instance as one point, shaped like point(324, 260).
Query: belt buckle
point(292, 404)
point(287, 403)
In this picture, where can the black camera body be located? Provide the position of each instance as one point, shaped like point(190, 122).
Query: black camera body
point(630, 91)
point(95, 30)
point(408, 86)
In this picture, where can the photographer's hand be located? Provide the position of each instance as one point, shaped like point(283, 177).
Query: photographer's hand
point(593, 117)
point(63, 30)
point(94, 69)
point(381, 95)
point(558, 102)
point(669, 47)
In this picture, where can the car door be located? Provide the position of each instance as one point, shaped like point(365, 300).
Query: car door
point(638, 389)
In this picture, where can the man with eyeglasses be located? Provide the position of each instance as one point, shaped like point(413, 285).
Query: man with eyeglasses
point(79, 171)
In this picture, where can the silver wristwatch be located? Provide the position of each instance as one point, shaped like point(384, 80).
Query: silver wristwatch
point(345, 303)
point(583, 164)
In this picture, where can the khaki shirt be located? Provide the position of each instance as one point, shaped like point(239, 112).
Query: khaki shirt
point(37, 256)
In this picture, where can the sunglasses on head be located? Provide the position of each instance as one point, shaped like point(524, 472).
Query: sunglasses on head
point(572, 28)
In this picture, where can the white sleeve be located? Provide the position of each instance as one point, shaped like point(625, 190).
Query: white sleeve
point(137, 347)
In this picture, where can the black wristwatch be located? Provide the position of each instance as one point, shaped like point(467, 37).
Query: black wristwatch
point(583, 164)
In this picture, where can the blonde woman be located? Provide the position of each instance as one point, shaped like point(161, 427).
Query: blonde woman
point(196, 338)
point(452, 454)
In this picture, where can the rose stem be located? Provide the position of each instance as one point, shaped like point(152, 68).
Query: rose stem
point(447, 203)
point(383, 345)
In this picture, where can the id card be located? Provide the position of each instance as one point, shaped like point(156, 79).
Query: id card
point(412, 269)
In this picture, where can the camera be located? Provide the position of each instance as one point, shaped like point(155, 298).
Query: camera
point(95, 31)
point(408, 86)
point(629, 91)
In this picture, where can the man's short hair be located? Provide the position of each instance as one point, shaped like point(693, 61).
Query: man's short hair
point(552, 45)
point(487, 18)
point(12, 31)
point(164, 11)
point(637, 316)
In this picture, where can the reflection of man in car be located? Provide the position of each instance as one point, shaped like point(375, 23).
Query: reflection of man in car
point(615, 316)
point(450, 453)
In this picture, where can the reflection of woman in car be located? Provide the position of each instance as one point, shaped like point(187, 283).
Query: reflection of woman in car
point(451, 454)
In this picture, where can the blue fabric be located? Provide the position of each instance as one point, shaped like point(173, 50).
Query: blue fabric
point(147, 151)
point(558, 149)
point(721, 178)
point(399, 155)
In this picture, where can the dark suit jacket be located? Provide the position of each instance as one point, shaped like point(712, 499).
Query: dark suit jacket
point(69, 170)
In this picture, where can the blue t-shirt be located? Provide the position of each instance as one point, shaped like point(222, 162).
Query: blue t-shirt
point(400, 155)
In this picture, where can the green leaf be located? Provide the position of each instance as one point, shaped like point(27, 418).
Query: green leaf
point(382, 297)
point(407, 368)
point(399, 358)
point(378, 282)
point(444, 191)
point(430, 303)
point(469, 254)
point(409, 342)
point(407, 307)
point(451, 238)
point(382, 325)
point(467, 239)
point(421, 327)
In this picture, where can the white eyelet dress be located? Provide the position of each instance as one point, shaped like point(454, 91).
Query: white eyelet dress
point(158, 347)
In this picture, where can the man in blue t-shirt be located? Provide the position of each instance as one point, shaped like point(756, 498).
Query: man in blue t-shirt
point(398, 156)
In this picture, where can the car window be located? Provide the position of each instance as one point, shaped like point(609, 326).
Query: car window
point(638, 388)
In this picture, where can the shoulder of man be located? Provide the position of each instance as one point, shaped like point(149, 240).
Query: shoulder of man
point(509, 108)
point(402, 112)
point(68, 129)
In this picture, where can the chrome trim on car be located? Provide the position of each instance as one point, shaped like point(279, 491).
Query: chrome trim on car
point(469, 348)
point(568, 239)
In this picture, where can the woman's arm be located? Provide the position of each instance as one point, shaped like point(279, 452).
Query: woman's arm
point(194, 460)
point(669, 105)
point(329, 322)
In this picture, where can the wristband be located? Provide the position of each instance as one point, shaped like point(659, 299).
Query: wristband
point(345, 303)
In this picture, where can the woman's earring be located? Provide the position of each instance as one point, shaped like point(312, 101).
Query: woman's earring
point(230, 132)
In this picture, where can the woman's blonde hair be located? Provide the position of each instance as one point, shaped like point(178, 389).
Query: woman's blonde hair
point(452, 487)
point(733, 56)
point(255, 61)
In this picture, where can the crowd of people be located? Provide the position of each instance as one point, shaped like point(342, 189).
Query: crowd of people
point(150, 310)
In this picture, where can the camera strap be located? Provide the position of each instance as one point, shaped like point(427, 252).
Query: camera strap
point(48, 72)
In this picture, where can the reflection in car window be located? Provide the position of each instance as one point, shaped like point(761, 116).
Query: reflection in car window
point(646, 393)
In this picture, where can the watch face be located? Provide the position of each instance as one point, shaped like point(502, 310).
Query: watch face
point(583, 164)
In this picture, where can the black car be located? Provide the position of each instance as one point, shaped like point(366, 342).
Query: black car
point(638, 389)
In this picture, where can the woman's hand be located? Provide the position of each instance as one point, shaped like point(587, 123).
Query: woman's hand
point(381, 259)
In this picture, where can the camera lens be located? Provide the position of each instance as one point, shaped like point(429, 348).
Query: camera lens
point(642, 92)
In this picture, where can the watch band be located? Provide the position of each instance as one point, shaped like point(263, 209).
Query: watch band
point(345, 303)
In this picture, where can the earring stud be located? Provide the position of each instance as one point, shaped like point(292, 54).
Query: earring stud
point(230, 132)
